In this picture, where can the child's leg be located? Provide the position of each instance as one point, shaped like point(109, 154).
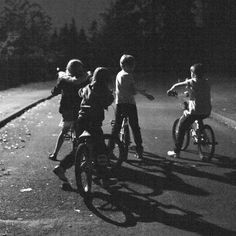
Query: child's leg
point(134, 124)
point(118, 119)
point(59, 142)
point(184, 124)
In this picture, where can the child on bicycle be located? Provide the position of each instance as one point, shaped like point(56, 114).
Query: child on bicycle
point(96, 97)
point(68, 84)
point(199, 106)
point(125, 101)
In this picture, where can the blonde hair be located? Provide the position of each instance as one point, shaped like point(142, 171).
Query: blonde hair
point(127, 60)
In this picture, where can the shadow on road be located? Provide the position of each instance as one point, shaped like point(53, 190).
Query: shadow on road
point(134, 208)
point(188, 167)
point(134, 198)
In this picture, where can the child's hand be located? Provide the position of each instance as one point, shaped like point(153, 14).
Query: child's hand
point(89, 73)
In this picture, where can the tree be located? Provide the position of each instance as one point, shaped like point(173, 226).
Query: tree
point(28, 22)
point(179, 30)
point(24, 41)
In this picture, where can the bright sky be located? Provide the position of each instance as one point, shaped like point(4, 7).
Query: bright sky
point(61, 11)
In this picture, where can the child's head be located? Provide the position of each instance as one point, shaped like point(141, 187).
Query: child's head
point(127, 63)
point(75, 68)
point(101, 77)
point(197, 71)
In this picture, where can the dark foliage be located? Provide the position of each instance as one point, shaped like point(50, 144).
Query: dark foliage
point(163, 35)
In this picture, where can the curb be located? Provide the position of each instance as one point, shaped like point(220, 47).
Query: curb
point(228, 122)
point(21, 111)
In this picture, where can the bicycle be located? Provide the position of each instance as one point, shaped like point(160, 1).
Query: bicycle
point(124, 134)
point(85, 160)
point(201, 135)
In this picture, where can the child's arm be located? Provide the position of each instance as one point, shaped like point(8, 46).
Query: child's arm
point(179, 84)
point(57, 89)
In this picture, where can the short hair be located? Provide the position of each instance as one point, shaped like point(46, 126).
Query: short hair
point(198, 69)
point(127, 60)
point(74, 67)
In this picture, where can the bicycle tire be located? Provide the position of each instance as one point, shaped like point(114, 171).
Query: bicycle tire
point(126, 141)
point(206, 143)
point(83, 170)
point(115, 151)
point(186, 140)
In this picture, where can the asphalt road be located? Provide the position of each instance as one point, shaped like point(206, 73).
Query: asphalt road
point(159, 196)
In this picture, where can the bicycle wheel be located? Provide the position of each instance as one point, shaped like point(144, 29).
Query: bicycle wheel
point(115, 151)
point(126, 141)
point(175, 134)
point(206, 143)
point(83, 170)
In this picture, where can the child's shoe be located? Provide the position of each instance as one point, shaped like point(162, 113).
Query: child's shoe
point(173, 154)
point(139, 153)
point(60, 172)
point(52, 157)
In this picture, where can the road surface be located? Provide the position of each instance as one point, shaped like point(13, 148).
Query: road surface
point(154, 197)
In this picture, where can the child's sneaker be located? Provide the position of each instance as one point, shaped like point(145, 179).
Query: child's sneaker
point(139, 153)
point(52, 157)
point(60, 172)
point(173, 154)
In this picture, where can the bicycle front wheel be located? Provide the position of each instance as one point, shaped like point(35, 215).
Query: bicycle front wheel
point(115, 151)
point(206, 143)
point(83, 170)
point(175, 129)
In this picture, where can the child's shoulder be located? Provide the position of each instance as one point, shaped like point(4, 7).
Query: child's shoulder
point(124, 74)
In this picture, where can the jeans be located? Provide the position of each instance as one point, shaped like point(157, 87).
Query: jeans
point(129, 110)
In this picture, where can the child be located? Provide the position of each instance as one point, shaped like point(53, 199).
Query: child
point(96, 97)
point(68, 84)
point(199, 106)
point(125, 101)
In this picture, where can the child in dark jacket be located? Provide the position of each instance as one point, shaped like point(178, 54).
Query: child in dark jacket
point(68, 84)
point(96, 97)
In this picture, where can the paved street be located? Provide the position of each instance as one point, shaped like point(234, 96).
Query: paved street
point(157, 197)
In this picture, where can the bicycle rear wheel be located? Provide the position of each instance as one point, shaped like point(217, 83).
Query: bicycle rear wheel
point(115, 151)
point(83, 170)
point(175, 129)
point(206, 143)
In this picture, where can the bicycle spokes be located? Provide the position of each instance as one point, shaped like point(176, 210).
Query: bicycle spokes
point(206, 142)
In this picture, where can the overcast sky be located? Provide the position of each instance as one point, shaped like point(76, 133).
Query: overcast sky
point(61, 11)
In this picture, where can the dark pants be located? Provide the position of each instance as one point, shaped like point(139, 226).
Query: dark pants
point(185, 123)
point(129, 110)
point(96, 133)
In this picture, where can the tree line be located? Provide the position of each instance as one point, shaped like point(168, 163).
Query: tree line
point(163, 35)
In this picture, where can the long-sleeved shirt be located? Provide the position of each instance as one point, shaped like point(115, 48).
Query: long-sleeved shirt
point(68, 87)
point(94, 101)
